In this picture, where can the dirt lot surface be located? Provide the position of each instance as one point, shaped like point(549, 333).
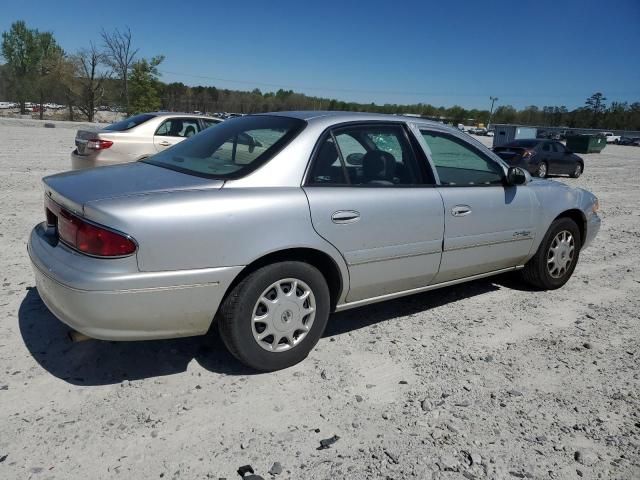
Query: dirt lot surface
point(483, 380)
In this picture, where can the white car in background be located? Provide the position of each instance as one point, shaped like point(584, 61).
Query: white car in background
point(611, 138)
point(135, 138)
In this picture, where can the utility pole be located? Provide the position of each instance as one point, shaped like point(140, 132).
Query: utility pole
point(493, 100)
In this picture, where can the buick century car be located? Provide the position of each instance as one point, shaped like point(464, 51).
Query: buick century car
point(321, 212)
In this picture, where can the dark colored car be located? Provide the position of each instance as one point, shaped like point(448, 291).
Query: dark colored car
point(541, 157)
point(629, 141)
point(543, 134)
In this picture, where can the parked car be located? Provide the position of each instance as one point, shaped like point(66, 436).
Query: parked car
point(135, 138)
point(545, 134)
point(541, 157)
point(610, 137)
point(635, 141)
point(334, 211)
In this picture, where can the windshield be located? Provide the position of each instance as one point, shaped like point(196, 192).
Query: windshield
point(231, 149)
point(129, 123)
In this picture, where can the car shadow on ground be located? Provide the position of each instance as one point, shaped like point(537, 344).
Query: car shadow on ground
point(349, 320)
point(96, 362)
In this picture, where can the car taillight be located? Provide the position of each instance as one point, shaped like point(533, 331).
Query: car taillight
point(97, 144)
point(92, 239)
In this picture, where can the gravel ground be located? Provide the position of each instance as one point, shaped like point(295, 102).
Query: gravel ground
point(483, 380)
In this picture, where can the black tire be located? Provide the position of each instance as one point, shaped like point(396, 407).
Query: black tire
point(236, 313)
point(579, 168)
point(536, 272)
point(543, 170)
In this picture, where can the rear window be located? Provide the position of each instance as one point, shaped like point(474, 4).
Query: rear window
point(129, 123)
point(522, 143)
point(232, 149)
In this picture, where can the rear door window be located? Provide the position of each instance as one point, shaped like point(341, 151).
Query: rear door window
point(366, 155)
point(352, 150)
point(178, 127)
point(328, 168)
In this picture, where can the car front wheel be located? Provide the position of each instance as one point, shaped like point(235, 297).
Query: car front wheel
point(274, 317)
point(556, 258)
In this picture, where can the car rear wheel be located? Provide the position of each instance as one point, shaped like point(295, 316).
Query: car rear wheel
point(542, 170)
point(556, 258)
point(577, 171)
point(274, 317)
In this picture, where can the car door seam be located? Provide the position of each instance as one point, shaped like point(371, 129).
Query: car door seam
point(346, 288)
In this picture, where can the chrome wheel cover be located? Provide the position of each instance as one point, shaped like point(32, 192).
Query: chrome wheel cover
point(542, 170)
point(560, 254)
point(283, 315)
point(578, 170)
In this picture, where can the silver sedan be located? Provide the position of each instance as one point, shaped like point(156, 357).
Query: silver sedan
point(135, 138)
point(266, 224)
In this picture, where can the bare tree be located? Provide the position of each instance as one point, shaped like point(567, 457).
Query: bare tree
point(89, 88)
point(50, 60)
point(120, 55)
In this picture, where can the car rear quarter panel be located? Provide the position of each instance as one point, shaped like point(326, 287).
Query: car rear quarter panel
point(216, 228)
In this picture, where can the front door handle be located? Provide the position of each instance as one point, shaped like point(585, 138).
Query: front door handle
point(345, 216)
point(460, 210)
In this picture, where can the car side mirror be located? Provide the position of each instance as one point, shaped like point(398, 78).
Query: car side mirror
point(355, 158)
point(516, 176)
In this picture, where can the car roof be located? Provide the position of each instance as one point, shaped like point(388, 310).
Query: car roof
point(182, 114)
point(346, 116)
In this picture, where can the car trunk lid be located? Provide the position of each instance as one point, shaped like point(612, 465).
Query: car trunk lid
point(75, 189)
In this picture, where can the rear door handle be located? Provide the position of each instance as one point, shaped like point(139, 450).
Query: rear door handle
point(165, 143)
point(460, 210)
point(345, 216)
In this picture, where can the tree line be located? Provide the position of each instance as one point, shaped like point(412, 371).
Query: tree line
point(111, 73)
point(36, 67)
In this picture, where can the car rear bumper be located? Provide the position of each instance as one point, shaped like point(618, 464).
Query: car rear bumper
point(109, 305)
point(98, 159)
point(80, 162)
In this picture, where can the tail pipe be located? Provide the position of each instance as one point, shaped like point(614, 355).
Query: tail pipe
point(77, 337)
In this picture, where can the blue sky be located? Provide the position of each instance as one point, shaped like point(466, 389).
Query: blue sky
point(439, 52)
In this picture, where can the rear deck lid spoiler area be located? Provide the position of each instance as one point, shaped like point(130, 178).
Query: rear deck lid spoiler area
point(75, 189)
